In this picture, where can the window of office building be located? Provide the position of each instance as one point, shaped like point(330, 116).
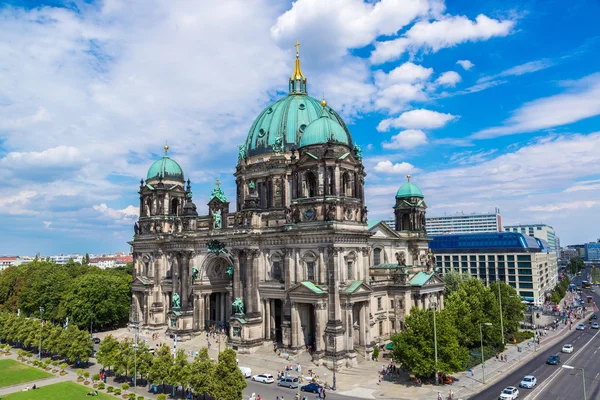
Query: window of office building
point(525, 278)
point(525, 257)
point(513, 284)
point(525, 285)
point(501, 258)
point(526, 294)
point(473, 258)
point(510, 257)
point(463, 258)
point(524, 264)
point(525, 271)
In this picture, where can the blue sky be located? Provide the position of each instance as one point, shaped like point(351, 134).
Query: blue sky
point(487, 104)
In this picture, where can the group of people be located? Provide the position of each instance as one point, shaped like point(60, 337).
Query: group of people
point(450, 395)
point(501, 357)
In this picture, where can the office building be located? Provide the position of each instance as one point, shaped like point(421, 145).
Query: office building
point(464, 223)
point(524, 262)
point(540, 231)
point(592, 251)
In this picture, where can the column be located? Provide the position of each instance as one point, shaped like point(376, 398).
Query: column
point(426, 302)
point(222, 307)
point(267, 319)
point(207, 304)
point(298, 264)
point(227, 306)
point(362, 331)
point(287, 267)
point(254, 295)
point(201, 311)
point(236, 273)
point(185, 273)
point(322, 266)
point(334, 313)
point(295, 324)
point(272, 319)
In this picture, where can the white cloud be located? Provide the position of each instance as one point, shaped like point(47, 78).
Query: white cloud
point(574, 205)
point(407, 139)
point(583, 186)
point(417, 119)
point(47, 224)
point(405, 73)
point(532, 66)
point(443, 33)
point(466, 64)
point(580, 101)
point(387, 167)
point(128, 214)
point(449, 78)
point(15, 204)
point(55, 163)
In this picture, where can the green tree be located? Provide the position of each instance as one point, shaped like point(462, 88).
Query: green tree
point(161, 366)
point(108, 351)
point(231, 381)
point(414, 347)
point(45, 287)
point(453, 279)
point(144, 360)
point(202, 373)
point(512, 308)
point(471, 304)
point(101, 296)
point(179, 373)
point(125, 359)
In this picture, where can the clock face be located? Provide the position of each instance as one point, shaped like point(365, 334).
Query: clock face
point(309, 213)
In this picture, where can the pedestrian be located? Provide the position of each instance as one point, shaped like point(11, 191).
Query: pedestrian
point(505, 358)
point(451, 394)
point(439, 396)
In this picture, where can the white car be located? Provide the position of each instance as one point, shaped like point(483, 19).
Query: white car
point(567, 348)
point(528, 382)
point(510, 393)
point(580, 327)
point(264, 378)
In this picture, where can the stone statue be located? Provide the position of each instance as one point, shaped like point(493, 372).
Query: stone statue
point(278, 146)
point(242, 152)
point(288, 216)
point(136, 228)
point(401, 258)
point(238, 306)
point(430, 260)
point(358, 152)
point(364, 215)
point(176, 303)
point(195, 274)
point(296, 215)
point(217, 220)
point(330, 214)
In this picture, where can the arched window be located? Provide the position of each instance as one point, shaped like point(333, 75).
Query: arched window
point(347, 188)
point(311, 184)
point(175, 207)
point(376, 256)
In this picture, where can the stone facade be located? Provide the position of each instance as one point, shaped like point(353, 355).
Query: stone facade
point(295, 264)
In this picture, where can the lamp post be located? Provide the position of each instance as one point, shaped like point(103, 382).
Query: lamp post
point(434, 307)
point(334, 387)
point(41, 329)
point(482, 358)
point(135, 344)
point(582, 377)
point(501, 321)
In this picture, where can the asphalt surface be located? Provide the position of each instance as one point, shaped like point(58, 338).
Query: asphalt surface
point(562, 385)
point(270, 391)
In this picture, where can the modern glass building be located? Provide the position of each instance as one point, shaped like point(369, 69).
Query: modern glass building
point(540, 231)
point(592, 251)
point(524, 262)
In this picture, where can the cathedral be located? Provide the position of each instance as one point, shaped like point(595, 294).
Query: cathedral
point(295, 261)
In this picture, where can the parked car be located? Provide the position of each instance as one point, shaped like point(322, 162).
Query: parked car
point(264, 378)
point(96, 340)
point(288, 382)
point(246, 371)
point(528, 382)
point(580, 327)
point(510, 393)
point(311, 387)
point(553, 360)
point(595, 325)
point(567, 348)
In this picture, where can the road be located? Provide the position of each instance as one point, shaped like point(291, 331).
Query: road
point(271, 391)
point(542, 371)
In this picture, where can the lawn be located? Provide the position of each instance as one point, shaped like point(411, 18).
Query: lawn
point(58, 391)
point(13, 372)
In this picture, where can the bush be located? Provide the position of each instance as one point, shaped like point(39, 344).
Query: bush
point(86, 374)
point(79, 372)
point(96, 377)
point(110, 389)
point(117, 391)
point(162, 396)
point(101, 385)
point(375, 353)
point(125, 386)
point(140, 398)
point(131, 396)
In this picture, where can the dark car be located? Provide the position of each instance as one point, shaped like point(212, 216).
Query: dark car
point(594, 316)
point(311, 387)
point(553, 360)
point(96, 340)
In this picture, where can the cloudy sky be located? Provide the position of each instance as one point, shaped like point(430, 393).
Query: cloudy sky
point(487, 104)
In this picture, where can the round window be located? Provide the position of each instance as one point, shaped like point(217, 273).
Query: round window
point(261, 132)
point(302, 127)
point(301, 106)
point(270, 110)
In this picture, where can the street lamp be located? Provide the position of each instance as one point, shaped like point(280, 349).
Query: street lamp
point(434, 306)
point(582, 377)
point(41, 329)
point(482, 358)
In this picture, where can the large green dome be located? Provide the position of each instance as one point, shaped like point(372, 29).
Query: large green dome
point(409, 190)
point(286, 118)
point(165, 168)
point(323, 130)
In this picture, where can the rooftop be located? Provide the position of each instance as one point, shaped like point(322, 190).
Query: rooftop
point(488, 240)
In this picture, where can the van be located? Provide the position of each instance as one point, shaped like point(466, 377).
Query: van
point(288, 382)
point(247, 372)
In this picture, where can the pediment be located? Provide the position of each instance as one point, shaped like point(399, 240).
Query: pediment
point(142, 280)
point(357, 287)
point(381, 230)
point(308, 288)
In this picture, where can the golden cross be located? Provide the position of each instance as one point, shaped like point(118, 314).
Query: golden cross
point(296, 46)
point(218, 182)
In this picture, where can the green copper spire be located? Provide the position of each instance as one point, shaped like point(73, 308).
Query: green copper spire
point(218, 193)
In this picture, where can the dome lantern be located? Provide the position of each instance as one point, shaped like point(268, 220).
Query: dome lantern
point(297, 80)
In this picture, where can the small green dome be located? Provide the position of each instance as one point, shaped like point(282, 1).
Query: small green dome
point(165, 168)
point(409, 190)
point(286, 118)
point(323, 130)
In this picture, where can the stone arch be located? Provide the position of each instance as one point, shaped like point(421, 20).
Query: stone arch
point(214, 267)
point(276, 266)
point(310, 263)
point(351, 260)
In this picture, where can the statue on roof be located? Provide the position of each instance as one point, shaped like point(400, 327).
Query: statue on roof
point(401, 258)
point(358, 152)
point(238, 306)
point(176, 302)
point(278, 146)
point(217, 219)
point(242, 154)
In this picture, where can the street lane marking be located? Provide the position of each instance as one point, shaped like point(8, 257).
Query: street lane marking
point(543, 385)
